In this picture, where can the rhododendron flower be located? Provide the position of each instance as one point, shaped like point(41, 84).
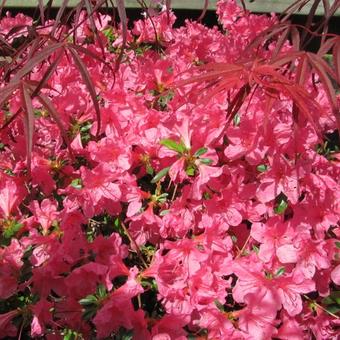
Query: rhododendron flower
point(290, 328)
point(42, 316)
point(228, 12)
point(96, 189)
point(45, 214)
point(84, 280)
point(12, 193)
point(306, 252)
point(274, 236)
point(244, 141)
point(281, 177)
point(145, 29)
point(336, 275)
point(258, 318)
point(168, 182)
point(219, 325)
point(119, 304)
point(110, 151)
point(10, 264)
point(21, 22)
point(285, 289)
point(6, 325)
point(169, 327)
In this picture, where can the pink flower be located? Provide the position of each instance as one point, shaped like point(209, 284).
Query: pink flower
point(42, 316)
point(8, 22)
point(119, 304)
point(219, 326)
point(228, 12)
point(273, 236)
point(12, 192)
point(258, 318)
point(335, 275)
point(205, 174)
point(84, 280)
point(285, 289)
point(169, 327)
point(10, 265)
point(45, 214)
point(281, 177)
point(7, 328)
point(290, 328)
point(244, 141)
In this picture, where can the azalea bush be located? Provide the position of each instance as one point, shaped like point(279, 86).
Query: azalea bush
point(169, 183)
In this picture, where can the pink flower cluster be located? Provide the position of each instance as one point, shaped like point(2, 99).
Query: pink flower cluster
point(173, 221)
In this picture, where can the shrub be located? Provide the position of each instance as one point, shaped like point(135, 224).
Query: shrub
point(169, 183)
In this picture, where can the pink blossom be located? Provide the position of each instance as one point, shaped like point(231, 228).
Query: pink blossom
point(282, 177)
point(12, 193)
point(45, 214)
point(258, 319)
point(335, 275)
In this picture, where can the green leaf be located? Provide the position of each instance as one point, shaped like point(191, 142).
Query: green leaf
point(149, 169)
point(160, 175)
point(124, 334)
point(88, 300)
point(173, 145)
point(68, 336)
point(206, 161)
point(327, 301)
point(281, 207)
point(190, 170)
point(207, 196)
point(336, 296)
point(77, 183)
point(337, 244)
point(200, 152)
point(89, 314)
point(333, 309)
point(86, 127)
point(162, 198)
point(261, 168)
point(101, 291)
point(280, 271)
point(269, 276)
point(237, 120)
point(219, 305)
point(164, 212)
point(12, 229)
point(256, 249)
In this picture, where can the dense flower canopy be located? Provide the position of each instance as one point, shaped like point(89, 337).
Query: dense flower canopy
point(174, 220)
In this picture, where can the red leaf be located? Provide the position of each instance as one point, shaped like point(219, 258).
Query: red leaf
point(59, 15)
point(123, 20)
point(47, 75)
point(89, 84)
point(37, 59)
point(7, 91)
point(41, 9)
point(302, 70)
point(28, 123)
point(44, 100)
point(336, 60)
point(204, 11)
point(321, 68)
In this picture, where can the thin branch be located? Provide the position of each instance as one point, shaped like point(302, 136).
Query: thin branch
point(139, 253)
